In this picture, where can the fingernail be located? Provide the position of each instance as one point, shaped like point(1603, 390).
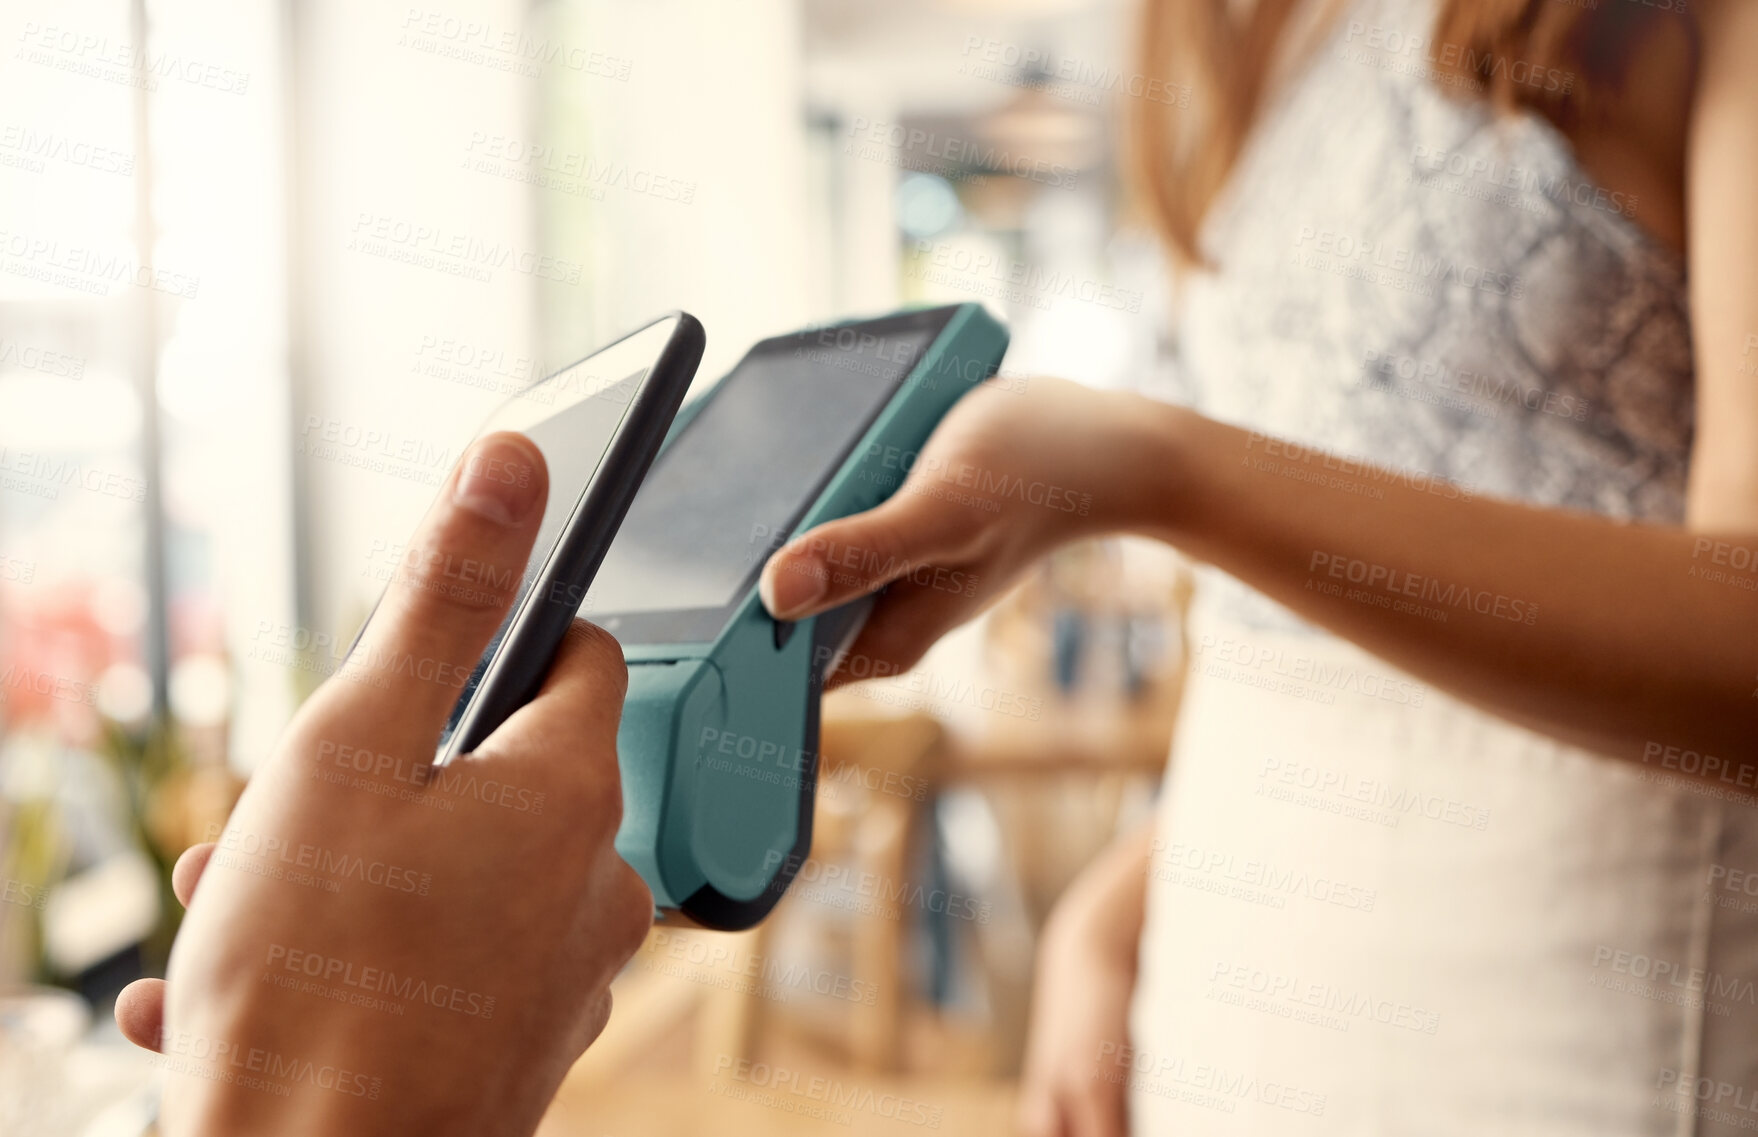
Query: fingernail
point(498, 480)
point(793, 585)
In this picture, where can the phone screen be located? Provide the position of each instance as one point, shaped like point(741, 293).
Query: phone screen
point(730, 488)
point(573, 416)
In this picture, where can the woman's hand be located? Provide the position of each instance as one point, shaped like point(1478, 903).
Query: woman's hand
point(1008, 476)
point(381, 947)
point(1077, 1051)
point(1080, 1015)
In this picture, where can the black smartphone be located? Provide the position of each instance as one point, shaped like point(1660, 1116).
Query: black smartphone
point(599, 424)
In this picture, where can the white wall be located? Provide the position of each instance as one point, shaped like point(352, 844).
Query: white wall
point(713, 97)
point(389, 97)
point(699, 94)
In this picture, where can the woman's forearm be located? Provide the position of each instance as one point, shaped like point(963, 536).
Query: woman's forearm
point(1107, 903)
point(1623, 638)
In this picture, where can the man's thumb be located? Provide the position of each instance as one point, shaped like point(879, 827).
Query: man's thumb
point(455, 583)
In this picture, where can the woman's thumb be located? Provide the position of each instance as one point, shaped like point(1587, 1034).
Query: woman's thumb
point(852, 556)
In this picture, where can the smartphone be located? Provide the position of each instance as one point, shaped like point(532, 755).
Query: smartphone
point(745, 464)
point(599, 425)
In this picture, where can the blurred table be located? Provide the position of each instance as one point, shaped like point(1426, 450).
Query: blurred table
point(644, 1105)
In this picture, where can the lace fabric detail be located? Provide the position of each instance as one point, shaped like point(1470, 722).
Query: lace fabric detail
point(1408, 278)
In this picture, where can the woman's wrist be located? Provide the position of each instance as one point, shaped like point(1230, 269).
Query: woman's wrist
point(1148, 467)
point(1100, 916)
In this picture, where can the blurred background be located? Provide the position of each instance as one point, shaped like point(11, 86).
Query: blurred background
point(264, 267)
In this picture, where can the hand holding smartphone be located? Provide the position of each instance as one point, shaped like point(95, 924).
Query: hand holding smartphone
point(599, 424)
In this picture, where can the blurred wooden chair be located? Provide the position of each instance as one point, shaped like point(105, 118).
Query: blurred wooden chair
point(876, 780)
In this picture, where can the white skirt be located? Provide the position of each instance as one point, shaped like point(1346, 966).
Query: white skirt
point(1373, 909)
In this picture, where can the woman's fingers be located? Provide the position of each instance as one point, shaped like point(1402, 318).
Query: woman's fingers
point(907, 621)
point(1098, 1112)
point(1040, 1114)
point(1072, 1111)
point(140, 1012)
point(903, 539)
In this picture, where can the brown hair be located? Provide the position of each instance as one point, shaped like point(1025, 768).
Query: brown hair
point(1557, 57)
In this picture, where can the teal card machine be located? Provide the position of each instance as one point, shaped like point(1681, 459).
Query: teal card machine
point(719, 736)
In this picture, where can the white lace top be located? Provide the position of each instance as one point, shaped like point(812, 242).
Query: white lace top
point(1419, 282)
